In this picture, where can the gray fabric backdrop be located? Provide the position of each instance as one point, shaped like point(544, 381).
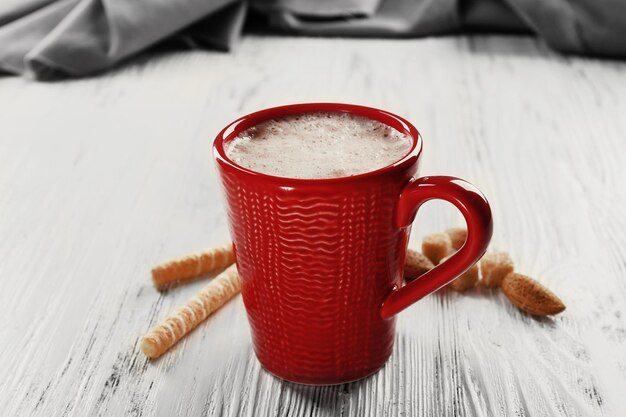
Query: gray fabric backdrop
point(46, 39)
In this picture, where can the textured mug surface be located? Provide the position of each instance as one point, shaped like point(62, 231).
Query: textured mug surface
point(321, 260)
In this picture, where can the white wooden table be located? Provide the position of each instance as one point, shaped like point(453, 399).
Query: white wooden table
point(102, 178)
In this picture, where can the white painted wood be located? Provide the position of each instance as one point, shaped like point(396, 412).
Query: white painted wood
point(102, 178)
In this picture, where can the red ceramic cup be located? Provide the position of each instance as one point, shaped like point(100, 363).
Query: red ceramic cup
point(321, 260)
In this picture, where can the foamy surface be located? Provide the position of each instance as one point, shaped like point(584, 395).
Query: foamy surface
point(318, 145)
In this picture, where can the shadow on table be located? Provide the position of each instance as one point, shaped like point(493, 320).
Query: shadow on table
point(243, 370)
point(328, 399)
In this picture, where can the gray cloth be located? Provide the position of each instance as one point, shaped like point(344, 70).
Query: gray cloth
point(50, 38)
point(45, 38)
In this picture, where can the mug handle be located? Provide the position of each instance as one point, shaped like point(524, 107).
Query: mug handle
point(474, 207)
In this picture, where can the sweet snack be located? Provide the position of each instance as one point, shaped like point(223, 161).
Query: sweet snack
point(416, 264)
point(494, 267)
point(164, 335)
point(457, 235)
point(530, 296)
point(436, 246)
point(192, 266)
point(467, 280)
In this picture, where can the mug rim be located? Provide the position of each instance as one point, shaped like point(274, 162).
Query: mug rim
point(253, 119)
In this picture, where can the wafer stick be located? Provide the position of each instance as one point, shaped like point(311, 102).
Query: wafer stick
point(190, 267)
point(163, 336)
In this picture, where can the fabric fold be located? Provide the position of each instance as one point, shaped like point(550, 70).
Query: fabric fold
point(51, 38)
point(77, 38)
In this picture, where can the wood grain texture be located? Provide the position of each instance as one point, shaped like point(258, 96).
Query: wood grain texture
point(103, 178)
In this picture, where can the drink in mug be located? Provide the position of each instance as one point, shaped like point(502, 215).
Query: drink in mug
point(320, 199)
point(318, 145)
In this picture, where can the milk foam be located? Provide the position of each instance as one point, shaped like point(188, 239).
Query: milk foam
point(318, 145)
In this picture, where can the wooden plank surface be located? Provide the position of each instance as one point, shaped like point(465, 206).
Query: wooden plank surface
point(102, 178)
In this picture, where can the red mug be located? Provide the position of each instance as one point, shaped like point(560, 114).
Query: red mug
point(321, 260)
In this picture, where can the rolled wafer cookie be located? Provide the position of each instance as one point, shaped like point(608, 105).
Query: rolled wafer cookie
point(166, 334)
point(189, 267)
